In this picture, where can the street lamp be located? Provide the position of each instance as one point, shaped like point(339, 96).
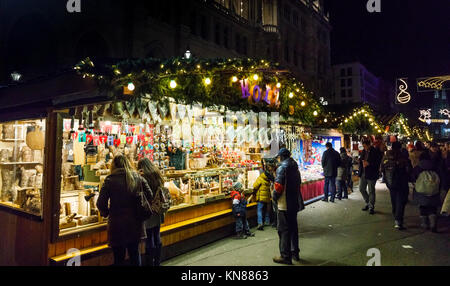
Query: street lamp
point(187, 54)
point(15, 76)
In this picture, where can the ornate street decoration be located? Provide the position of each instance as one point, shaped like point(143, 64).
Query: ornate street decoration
point(403, 96)
point(436, 83)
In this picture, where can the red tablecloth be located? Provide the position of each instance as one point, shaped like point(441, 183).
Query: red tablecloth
point(312, 190)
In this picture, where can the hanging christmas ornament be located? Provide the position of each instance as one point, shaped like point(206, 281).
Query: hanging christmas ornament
point(231, 134)
point(154, 112)
point(186, 129)
point(240, 137)
point(131, 107)
point(253, 135)
point(141, 106)
point(101, 111)
point(190, 111)
point(117, 109)
point(181, 111)
point(291, 110)
point(163, 109)
point(246, 133)
point(173, 111)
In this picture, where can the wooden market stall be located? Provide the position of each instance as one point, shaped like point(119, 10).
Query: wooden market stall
point(59, 135)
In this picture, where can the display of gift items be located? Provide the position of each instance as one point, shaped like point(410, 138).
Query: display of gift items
point(299, 142)
point(22, 146)
point(187, 143)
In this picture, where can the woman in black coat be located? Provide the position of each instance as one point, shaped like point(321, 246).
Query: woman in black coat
point(125, 229)
point(396, 168)
point(153, 243)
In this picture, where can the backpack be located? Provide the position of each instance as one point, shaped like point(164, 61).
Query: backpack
point(144, 209)
point(427, 183)
point(162, 201)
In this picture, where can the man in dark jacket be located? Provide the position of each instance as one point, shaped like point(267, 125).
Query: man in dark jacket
point(396, 168)
point(331, 160)
point(290, 202)
point(369, 165)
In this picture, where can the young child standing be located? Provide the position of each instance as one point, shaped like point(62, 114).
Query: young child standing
point(240, 211)
point(263, 195)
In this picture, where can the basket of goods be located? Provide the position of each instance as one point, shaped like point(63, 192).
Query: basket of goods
point(8, 131)
point(198, 163)
point(35, 138)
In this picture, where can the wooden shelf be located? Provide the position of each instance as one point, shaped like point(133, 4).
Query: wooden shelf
point(29, 188)
point(12, 140)
point(20, 163)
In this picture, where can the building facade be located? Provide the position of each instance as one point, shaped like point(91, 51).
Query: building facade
point(354, 84)
point(38, 38)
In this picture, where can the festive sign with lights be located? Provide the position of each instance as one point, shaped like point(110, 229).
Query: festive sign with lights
point(403, 96)
point(436, 83)
point(425, 116)
point(255, 94)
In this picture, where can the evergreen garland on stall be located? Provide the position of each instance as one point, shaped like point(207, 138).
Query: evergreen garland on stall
point(361, 122)
point(211, 82)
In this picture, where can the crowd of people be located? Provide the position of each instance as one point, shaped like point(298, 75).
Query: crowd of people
point(425, 167)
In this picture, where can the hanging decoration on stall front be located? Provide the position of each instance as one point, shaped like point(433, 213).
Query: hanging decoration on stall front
point(213, 82)
point(403, 96)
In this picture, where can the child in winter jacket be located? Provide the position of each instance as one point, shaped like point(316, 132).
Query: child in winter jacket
point(239, 209)
point(263, 196)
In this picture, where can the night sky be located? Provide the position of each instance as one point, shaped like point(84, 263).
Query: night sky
point(409, 38)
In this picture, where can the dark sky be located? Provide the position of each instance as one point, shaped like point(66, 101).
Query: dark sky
point(409, 38)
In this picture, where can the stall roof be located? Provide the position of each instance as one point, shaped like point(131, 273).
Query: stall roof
point(36, 97)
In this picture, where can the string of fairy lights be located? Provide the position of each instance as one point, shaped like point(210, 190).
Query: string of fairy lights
point(213, 82)
point(361, 121)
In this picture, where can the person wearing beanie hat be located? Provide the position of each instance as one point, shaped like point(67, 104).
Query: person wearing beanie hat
point(239, 210)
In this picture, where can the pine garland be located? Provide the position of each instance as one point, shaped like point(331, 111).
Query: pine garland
point(152, 77)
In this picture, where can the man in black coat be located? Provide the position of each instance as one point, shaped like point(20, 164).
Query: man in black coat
point(289, 202)
point(369, 172)
point(331, 160)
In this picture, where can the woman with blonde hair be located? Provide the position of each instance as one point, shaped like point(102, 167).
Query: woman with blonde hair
point(153, 244)
point(125, 229)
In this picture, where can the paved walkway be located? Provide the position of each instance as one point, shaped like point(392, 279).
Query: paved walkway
point(336, 234)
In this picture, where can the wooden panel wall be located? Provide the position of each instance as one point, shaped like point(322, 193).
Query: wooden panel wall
point(20, 240)
point(194, 230)
point(173, 217)
point(84, 241)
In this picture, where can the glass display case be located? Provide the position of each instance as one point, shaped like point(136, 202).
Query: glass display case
point(22, 145)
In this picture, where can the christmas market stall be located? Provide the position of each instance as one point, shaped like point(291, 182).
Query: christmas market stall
point(205, 123)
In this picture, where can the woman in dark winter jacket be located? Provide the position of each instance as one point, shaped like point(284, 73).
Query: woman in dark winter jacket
point(396, 167)
point(428, 204)
point(125, 229)
point(153, 244)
